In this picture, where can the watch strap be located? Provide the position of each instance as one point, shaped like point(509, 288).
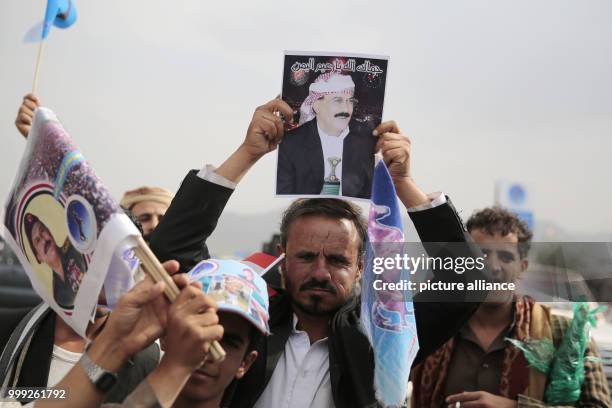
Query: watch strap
point(103, 380)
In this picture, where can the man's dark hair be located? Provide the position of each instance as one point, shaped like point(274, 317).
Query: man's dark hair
point(255, 337)
point(326, 207)
point(499, 220)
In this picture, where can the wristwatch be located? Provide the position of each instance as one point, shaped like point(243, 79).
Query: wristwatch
point(102, 379)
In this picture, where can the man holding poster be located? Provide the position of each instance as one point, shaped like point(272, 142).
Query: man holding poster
point(331, 150)
point(319, 355)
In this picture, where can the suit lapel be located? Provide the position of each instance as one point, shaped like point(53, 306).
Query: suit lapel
point(314, 145)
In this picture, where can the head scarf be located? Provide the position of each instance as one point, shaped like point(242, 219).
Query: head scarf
point(157, 194)
point(325, 84)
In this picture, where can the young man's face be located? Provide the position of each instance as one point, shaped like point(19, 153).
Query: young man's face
point(211, 380)
point(502, 258)
point(334, 112)
point(149, 214)
point(44, 244)
point(322, 263)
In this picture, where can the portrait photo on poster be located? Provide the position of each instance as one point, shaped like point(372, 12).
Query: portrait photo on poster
point(64, 226)
point(328, 148)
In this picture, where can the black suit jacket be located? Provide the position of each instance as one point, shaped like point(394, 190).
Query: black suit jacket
point(35, 369)
point(191, 218)
point(301, 166)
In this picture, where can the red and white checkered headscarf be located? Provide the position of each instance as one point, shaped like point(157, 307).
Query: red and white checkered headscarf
point(326, 84)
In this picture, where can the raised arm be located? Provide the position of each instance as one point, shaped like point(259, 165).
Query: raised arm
point(197, 206)
point(443, 235)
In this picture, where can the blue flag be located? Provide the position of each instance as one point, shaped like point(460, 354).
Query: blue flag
point(59, 13)
point(387, 316)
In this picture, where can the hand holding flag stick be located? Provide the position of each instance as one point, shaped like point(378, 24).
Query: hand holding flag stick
point(154, 268)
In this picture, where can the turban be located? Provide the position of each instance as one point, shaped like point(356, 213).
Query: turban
point(157, 194)
point(325, 84)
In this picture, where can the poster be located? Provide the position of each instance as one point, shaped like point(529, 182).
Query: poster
point(328, 149)
point(64, 226)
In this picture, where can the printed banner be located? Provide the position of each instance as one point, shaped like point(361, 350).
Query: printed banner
point(387, 316)
point(65, 227)
point(328, 149)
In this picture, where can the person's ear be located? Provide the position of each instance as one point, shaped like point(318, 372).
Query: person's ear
point(162, 344)
point(524, 264)
point(246, 363)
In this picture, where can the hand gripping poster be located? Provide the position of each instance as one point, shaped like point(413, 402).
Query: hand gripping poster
point(328, 148)
point(65, 227)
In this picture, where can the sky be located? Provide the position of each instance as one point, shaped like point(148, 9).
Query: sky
point(515, 90)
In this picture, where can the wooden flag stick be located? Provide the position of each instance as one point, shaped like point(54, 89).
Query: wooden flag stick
point(40, 51)
point(154, 268)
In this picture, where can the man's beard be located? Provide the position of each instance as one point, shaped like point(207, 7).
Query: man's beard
point(313, 306)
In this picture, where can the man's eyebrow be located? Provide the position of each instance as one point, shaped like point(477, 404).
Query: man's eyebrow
point(306, 252)
point(339, 257)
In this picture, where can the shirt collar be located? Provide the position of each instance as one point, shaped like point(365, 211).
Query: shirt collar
point(295, 330)
point(322, 134)
point(466, 332)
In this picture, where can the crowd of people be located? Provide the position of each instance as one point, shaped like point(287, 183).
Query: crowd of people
point(308, 349)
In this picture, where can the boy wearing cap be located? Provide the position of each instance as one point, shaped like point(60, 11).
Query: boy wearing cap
point(186, 377)
point(242, 307)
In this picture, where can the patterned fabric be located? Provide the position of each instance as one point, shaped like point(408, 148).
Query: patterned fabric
point(518, 381)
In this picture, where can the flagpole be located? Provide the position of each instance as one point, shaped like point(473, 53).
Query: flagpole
point(154, 268)
point(40, 51)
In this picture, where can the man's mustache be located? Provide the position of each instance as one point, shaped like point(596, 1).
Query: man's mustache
point(315, 284)
point(342, 115)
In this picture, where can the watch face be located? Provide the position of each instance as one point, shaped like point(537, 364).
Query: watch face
point(106, 382)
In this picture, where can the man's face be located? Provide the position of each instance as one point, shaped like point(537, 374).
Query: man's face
point(149, 214)
point(322, 263)
point(502, 258)
point(211, 380)
point(44, 244)
point(334, 112)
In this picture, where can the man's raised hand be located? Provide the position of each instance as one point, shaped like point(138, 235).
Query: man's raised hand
point(266, 128)
point(395, 149)
point(25, 114)
point(263, 136)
